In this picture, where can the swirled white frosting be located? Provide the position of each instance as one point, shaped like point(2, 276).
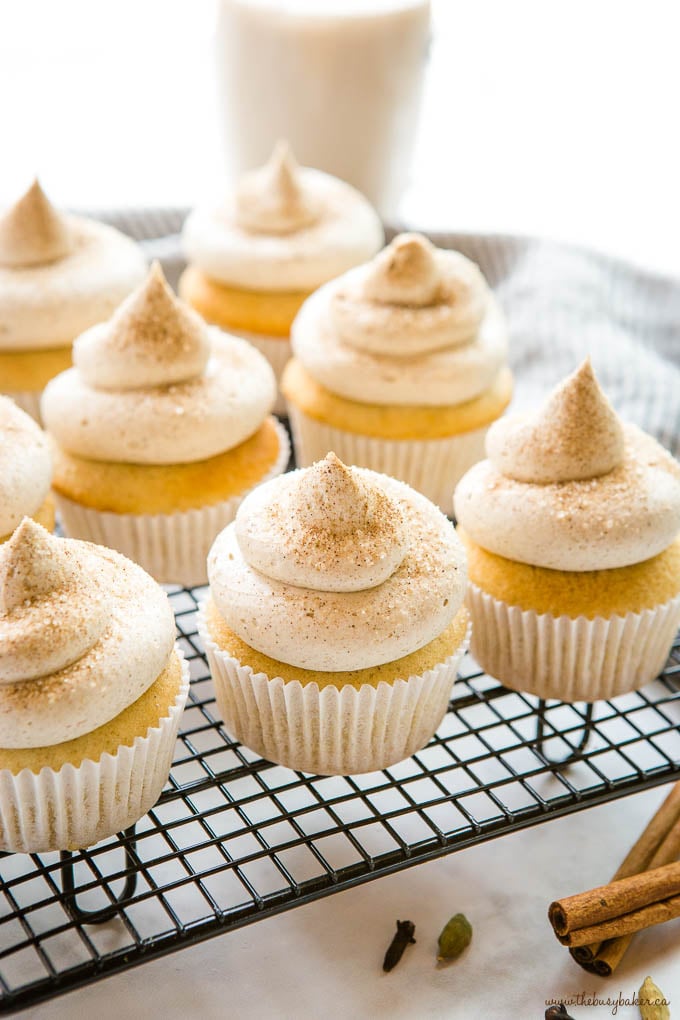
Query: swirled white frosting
point(284, 228)
point(416, 326)
point(570, 487)
point(83, 633)
point(155, 385)
point(33, 233)
point(329, 529)
point(273, 200)
point(336, 568)
point(59, 274)
point(25, 466)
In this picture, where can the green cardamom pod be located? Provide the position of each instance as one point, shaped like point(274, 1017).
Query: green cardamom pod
point(652, 1002)
point(455, 937)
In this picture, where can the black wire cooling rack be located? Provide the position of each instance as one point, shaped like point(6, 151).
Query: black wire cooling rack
point(234, 838)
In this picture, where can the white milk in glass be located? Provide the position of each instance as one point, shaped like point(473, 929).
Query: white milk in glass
point(341, 80)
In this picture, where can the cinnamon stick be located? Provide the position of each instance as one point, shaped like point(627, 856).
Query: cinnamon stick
point(625, 924)
point(646, 852)
point(609, 903)
point(609, 954)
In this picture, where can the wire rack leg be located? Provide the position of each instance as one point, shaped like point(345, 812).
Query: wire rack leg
point(541, 737)
point(79, 913)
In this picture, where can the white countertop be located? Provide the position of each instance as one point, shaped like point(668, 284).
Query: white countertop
point(538, 118)
point(324, 959)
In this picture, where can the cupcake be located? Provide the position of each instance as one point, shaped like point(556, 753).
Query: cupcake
point(400, 366)
point(571, 528)
point(159, 430)
point(25, 471)
point(335, 622)
point(91, 692)
point(59, 275)
point(285, 230)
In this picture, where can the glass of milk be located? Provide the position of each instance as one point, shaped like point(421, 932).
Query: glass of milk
point(340, 80)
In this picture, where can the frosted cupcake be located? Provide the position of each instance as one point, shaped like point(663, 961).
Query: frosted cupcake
point(335, 621)
point(400, 366)
point(91, 692)
point(25, 471)
point(159, 430)
point(285, 230)
point(59, 275)
point(571, 528)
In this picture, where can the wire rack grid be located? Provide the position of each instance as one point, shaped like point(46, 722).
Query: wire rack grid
point(235, 838)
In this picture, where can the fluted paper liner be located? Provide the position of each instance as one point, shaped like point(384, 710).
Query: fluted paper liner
point(173, 548)
point(334, 731)
point(278, 352)
point(432, 466)
point(570, 658)
point(81, 805)
point(28, 401)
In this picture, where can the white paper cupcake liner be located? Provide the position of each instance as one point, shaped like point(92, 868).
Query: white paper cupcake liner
point(432, 466)
point(173, 548)
point(570, 659)
point(81, 805)
point(277, 351)
point(28, 401)
point(334, 731)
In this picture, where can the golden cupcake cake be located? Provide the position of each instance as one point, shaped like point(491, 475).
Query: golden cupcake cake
point(400, 366)
point(25, 471)
point(91, 692)
point(335, 622)
point(159, 430)
point(59, 275)
point(283, 232)
point(572, 531)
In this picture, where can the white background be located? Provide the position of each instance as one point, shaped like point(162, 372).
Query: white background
point(557, 118)
point(540, 117)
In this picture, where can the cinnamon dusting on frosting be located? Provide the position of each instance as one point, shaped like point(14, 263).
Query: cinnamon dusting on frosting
point(284, 227)
point(25, 466)
point(33, 232)
point(571, 487)
point(32, 564)
point(83, 633)
point(325, 527)
point(295, 581)
point(412, 301)
point(406, 272)
point(51, 612)
point(575, 435)
point(153, 339)
point(272, 199)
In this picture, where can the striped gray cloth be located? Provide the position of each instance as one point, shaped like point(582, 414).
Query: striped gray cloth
point(562, 303)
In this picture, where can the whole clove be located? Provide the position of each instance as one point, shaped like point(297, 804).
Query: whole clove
point(557, 1013)
point(402, 938)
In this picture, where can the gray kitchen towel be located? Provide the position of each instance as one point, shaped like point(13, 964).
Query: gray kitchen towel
point(562, 302)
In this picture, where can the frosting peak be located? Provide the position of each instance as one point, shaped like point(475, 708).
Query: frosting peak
point(575, 435)
point(153, 339)
point(33, 232)
point(51, 611)
point(332, 496)
point(272, 199)
point(327, 528)
point(406, 272)
point(571, 488)
point(32, 565)
point(412, 300)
